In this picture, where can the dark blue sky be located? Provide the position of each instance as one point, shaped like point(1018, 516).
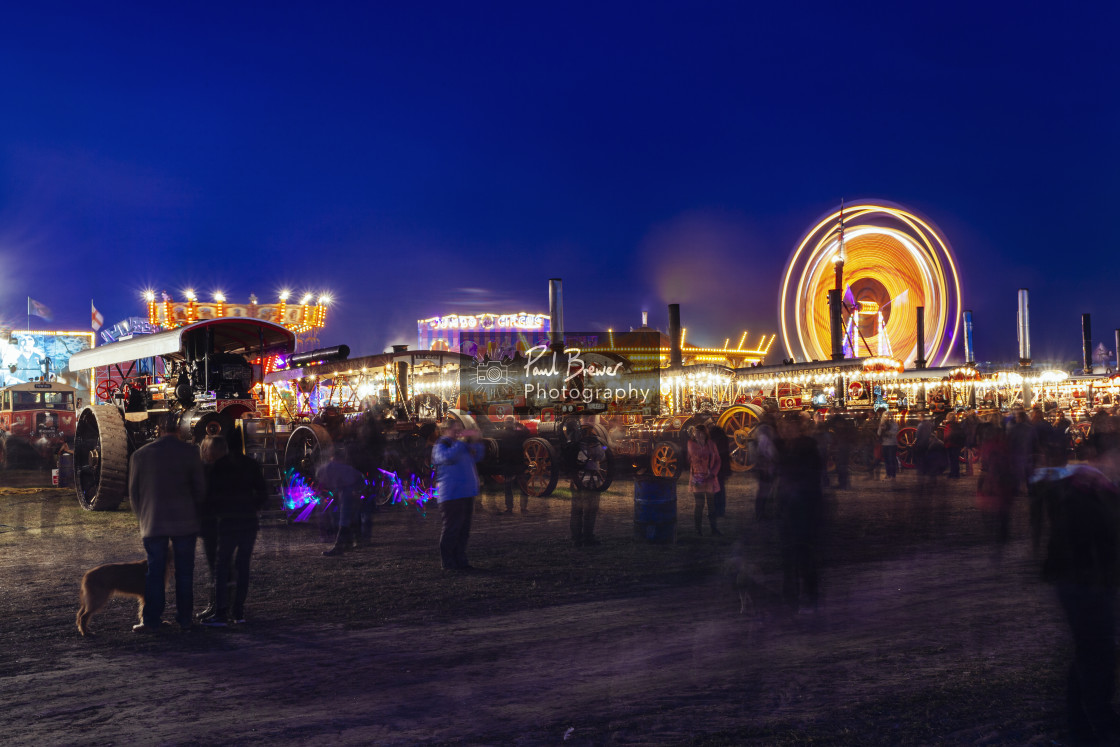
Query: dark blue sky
point(420, 159)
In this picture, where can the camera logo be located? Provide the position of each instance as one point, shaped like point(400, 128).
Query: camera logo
point(492, 372)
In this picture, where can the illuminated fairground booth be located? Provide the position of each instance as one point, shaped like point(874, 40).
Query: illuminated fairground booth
point(303, 317)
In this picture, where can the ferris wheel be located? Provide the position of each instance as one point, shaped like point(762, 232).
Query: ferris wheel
point(890, 262)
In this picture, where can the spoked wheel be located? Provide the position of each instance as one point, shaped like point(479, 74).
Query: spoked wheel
point(737, 422)
point(666, 460)
point(906, 439)
point(542, 468)
point(594, 468)
point(307, 447)
point(100, 458)
point(106, 389)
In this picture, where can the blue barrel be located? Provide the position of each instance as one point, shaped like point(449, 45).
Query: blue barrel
point(655, 509)
point(65, 470)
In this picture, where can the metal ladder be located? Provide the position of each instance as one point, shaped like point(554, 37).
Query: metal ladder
point(261, 437)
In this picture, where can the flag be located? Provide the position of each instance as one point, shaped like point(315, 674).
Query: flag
point(34, 308)
point(95, 317)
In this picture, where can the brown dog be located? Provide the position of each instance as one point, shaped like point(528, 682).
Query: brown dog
point(101, 583)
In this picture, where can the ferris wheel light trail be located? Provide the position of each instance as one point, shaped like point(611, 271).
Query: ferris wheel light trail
point(893, 262)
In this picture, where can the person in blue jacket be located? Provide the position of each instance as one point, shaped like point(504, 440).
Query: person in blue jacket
point(454, 456)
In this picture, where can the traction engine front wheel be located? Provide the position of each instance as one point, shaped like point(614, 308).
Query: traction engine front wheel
point(100, 458)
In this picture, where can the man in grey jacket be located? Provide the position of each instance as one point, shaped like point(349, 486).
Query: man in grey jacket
point(166, 485)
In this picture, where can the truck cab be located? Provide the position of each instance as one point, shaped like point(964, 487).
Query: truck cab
point(38, 416)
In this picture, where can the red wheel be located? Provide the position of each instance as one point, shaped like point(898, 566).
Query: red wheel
point(666, 459)
point(906, 438)
point(541, 468)
point(106, 389)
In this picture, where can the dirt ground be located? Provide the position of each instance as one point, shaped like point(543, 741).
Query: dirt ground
point(924, 636)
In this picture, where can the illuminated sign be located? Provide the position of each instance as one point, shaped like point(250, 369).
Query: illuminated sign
point(29, 355)
point(520, 320)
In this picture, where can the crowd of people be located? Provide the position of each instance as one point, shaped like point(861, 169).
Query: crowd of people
point(180, 492)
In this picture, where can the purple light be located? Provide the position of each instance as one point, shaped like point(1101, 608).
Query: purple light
point(299, 495)
point(414, 493)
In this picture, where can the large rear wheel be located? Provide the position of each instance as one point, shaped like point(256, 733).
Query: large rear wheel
point(307, 448)
point(542, 468)
point(907, 437)
point(100, 458)
point(737, 422)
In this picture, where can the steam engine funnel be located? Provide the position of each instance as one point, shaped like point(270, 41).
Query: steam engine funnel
point(920, 361)
point(835, 324)
point(969, 344)
point(322, 355)
point(1087, 342)
point(556, 312)
point(1024, 318)
point(675, 360)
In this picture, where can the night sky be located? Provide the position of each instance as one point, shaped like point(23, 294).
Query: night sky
point(419, 159)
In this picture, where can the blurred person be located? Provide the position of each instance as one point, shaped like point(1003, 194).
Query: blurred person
point(454, 457)
point(920, 450)
point(844, 437)
point(971, 422)
point(210, 451)
point(344, 483)
point(1082, 508)
point(511, 456)
point(815, 427)
point(763, 444)
point(800, 502)
point(888, 445)
point(722, 443)
point(166, 486)
point(1022, 442)
point(955, 438)
point(703, 479)
point(1062, 422)
point(995, 490)
point(585, 509)
point(235, 492)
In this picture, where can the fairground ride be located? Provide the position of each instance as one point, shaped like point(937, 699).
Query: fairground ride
point(887, 264)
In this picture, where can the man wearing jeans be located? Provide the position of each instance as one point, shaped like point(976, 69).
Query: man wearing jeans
point(454, 456)
point(166, 486)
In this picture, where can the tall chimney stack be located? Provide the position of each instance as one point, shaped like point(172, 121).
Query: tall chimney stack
point(675, 360)
point(969, 345)
point(1024, 326)
point(920, 361)
point(556, 312)
point(835, 324)
point(1087, 342)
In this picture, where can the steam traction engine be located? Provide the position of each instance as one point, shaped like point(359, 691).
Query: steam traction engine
point(203, 373)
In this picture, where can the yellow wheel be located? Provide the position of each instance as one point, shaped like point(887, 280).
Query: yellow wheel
point(738, 422)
